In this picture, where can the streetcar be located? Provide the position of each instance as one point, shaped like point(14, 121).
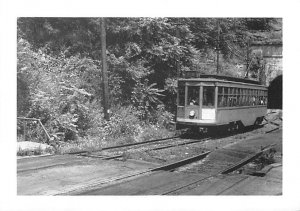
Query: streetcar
point(207, 102)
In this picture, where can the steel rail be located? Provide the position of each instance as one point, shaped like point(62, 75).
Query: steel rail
point(182, 162)
point(272, 130)
point(244, 161)
point(101, 156)
point(104, 157)
point(274, 123)
point(231, 186)
point(124, 145)
point(140, 143)
point(43, 167)
point(180, 144)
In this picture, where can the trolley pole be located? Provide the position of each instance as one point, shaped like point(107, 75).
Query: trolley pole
point(104, 70)
point(248, 58)
point(218, 47)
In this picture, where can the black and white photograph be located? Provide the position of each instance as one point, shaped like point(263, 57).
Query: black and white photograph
point(162, 109)
point(149, 106)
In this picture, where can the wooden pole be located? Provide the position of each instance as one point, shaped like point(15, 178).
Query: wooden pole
point(104, 70)
point(25, 130)
point(248, 59)
point(47, 134)
point(178, 58)
point(218, 47)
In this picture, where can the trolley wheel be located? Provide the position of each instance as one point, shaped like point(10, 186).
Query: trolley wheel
point(240, 126)
point(231, 127)
point(236, 127)
point(258, 121)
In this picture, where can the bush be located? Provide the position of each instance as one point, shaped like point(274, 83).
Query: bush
point(123, 122)
point(151, 132)
point(56, 90)
point(162, 118)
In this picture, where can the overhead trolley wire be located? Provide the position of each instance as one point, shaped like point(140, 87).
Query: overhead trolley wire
point(234, 50)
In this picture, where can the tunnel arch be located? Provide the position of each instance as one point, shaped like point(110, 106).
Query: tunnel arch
point(275, 93)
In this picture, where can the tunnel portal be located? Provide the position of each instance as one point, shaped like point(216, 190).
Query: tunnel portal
point(275, 93)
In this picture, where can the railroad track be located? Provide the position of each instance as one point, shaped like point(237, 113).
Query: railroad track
point(125, 145)
point(228, 170)
point(166, 167)
point(99, 185)
point(92, 154)
point(120, 156)
point(160, 147)
point(156, 141)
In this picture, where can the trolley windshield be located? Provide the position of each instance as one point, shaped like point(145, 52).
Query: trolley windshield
point(193, 95)
point(208, 96)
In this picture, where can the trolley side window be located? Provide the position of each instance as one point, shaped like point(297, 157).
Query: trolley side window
point(181, 96)
point(221, 98)
point(208, 96)
point(265, 97)
point(256, 97)
point(232, 97)
point(253, 97)
point(243, 97)
point(260, 97)
point(238, 97)
point(225, 96)
point(250, 97)
point(193, 95)
point(246, 97)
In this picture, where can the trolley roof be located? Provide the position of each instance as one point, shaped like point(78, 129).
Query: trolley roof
point(200, 77)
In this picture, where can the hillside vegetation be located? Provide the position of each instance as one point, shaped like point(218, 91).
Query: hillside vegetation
point(59, 70)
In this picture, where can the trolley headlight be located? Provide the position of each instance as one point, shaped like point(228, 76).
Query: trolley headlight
point(192, 114)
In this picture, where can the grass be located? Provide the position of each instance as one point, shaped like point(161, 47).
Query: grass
point(151, 133)
point(37, 151)
point(92, 143)
point(98, 141)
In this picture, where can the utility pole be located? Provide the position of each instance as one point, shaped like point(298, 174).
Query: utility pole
point(104, 70)
point(248, 52)
point(248, 59)
point(179, 74)
point(218, 47)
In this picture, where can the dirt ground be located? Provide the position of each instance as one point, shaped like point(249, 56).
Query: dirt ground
point(57, 174)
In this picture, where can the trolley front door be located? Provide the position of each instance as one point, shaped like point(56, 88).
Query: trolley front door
point(208, 104)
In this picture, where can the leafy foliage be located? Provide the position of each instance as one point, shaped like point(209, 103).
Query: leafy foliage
point(145, 98)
